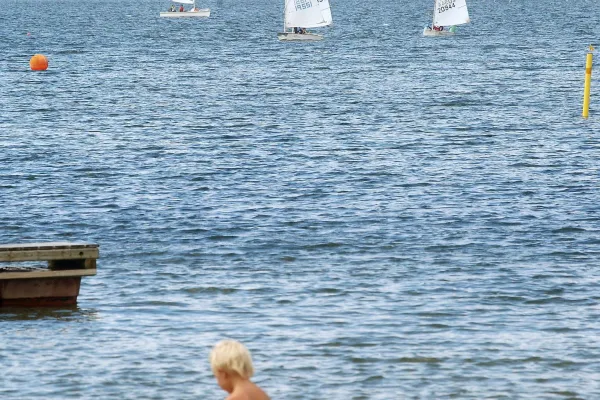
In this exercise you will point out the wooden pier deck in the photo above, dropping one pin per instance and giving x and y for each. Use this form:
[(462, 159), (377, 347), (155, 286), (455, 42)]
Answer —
[(57, 283)]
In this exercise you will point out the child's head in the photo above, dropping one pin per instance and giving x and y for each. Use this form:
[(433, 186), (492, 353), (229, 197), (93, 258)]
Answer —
[(231, 357)]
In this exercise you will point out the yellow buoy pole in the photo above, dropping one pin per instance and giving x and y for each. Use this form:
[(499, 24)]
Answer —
[(588, 83)]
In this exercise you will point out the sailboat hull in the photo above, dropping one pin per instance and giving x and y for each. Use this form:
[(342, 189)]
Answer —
[(431, 33), (203, 12), (298, 37)]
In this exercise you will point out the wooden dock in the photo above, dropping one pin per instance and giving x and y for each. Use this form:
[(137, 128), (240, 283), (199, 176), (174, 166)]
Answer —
[(55, 284)]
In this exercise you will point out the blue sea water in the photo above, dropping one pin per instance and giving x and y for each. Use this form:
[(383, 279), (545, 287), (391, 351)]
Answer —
[(376, 216)]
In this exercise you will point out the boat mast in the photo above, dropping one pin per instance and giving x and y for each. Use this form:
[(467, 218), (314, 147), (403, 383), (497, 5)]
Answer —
[(433, 21), (284, 12)]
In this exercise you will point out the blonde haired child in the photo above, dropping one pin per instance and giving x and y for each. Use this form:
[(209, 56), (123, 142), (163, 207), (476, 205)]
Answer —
[(232, 365)]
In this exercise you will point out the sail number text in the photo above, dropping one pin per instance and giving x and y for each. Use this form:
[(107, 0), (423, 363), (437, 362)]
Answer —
[(445, 5), (303, 4)]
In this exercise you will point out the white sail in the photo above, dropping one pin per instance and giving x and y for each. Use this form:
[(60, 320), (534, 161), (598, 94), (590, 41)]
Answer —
[(183, 1), (307, 13), (450, 12)]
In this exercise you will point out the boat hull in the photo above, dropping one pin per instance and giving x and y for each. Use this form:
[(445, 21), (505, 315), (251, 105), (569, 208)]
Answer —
[(203, 12), (431, 33), (298, 37)]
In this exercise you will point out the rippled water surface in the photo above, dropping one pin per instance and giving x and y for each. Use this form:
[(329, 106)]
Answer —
[(377, 216)]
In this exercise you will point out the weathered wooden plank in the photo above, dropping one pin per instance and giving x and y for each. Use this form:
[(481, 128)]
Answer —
[(46, 246), (49, 254), (41, 273)]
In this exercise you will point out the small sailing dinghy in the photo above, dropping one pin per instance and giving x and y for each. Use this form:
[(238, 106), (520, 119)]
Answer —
[(301, 14), (447, 13), (175, 12)]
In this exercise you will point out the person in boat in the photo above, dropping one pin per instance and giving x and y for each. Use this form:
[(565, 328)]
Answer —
[(181, 8), (172, 9), (438, 28)]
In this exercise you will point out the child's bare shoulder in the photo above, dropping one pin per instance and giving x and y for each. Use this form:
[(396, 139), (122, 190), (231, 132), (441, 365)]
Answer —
[(238, 396), (246, 396), (251, 393)]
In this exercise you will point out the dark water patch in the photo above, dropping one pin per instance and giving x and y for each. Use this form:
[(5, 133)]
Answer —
[(437, 326), (567, 394), (561, 330), (373, 378), (329, 291), (431, 314), (458, 103), (210, 290), (554, 291), (418, 360), (220, 238), (510, 361), (542, 276), (568, 229), (329, 245), (360, 360), (567, 364), (71, 51), (65, 314), (557, 300), (149, 306)]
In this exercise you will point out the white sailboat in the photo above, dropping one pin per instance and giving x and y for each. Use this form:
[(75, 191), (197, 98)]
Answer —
[(175, 12), (301, 14), (447, 13)]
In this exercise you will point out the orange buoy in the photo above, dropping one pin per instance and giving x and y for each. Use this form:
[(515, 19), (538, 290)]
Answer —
[(38, 63)]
